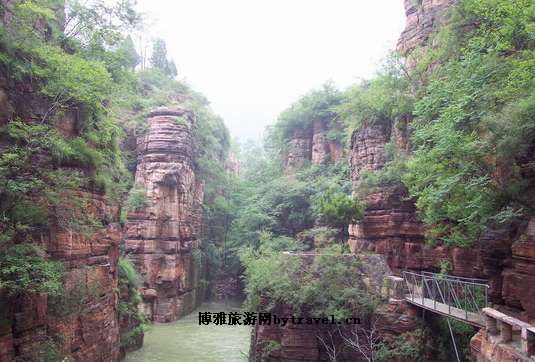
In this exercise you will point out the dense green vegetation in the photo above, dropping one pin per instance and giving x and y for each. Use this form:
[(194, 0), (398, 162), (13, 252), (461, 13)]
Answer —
[(325, 287), (71, 72), (385, 99), (317, 105), (314, 204), (474, 128), (24, 268), (467, 103)]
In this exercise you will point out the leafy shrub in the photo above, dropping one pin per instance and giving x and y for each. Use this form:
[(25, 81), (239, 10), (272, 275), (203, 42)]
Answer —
[(130, 280), (337, 208), (317, 105), (24, 268), (382, 99), (136, 198), (129, 339), (326, 287), (408, 345)]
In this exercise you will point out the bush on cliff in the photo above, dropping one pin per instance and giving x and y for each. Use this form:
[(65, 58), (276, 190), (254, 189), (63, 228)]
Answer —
[(317, 105), (475, 123), (132, 321), (76, 70), (129, 295), (337, 208), (382, 99), (329, 285), (24, 268)]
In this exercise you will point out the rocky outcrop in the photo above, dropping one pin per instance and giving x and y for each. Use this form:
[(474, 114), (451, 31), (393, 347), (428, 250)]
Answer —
[(423, 17), (312, 144), (324, 150), (90, 332), (299, 150), (295, 342), (83, 323), (162, 237), (485, 348), (519, 278), (390, 225), (367, 152), (504, 339)]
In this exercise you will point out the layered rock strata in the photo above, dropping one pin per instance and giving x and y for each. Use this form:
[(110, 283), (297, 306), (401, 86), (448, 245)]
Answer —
[(83, 322), (504, 339), (162, 237), (422, 18), (312, 144), (390, 226)]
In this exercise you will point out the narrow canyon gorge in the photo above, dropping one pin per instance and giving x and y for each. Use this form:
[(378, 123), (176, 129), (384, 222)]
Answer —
[(131, 206)]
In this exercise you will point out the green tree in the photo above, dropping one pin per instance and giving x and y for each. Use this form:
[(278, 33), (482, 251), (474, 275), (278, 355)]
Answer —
[(129, 53), (159, 59)]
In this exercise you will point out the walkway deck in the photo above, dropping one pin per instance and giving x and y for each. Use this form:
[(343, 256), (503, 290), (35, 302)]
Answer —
[(460, 298), (475, 319)]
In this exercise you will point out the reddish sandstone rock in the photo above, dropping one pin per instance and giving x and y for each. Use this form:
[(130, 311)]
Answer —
[(312, 144), (88, 331), (163, 236), (423, 16), (390, 225), (486, 348), (299, 150), (367, 149)]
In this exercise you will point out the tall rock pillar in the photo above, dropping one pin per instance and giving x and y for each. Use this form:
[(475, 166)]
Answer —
[(163, 235)]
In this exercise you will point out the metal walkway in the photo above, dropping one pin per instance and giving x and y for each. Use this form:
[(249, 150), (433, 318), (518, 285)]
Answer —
[(456, 297)]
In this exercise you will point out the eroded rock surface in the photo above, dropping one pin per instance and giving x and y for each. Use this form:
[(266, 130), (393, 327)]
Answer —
[(87, 331), (391, 228), (423, 16), (163, 236), (312, 145)]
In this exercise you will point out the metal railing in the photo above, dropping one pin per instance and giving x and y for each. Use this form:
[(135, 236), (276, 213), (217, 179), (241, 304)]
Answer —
[(447, 294)]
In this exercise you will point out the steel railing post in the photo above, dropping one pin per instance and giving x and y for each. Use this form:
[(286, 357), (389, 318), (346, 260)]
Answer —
[(423, 292), (448, 296)]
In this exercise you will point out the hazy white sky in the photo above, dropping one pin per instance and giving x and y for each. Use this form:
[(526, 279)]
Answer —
[(253, 58)]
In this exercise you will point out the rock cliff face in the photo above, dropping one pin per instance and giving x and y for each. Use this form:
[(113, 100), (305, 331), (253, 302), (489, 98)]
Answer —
[(423, 16), (313, 145), (390, 225), (84, 323), (299, 150), (163, 236)]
